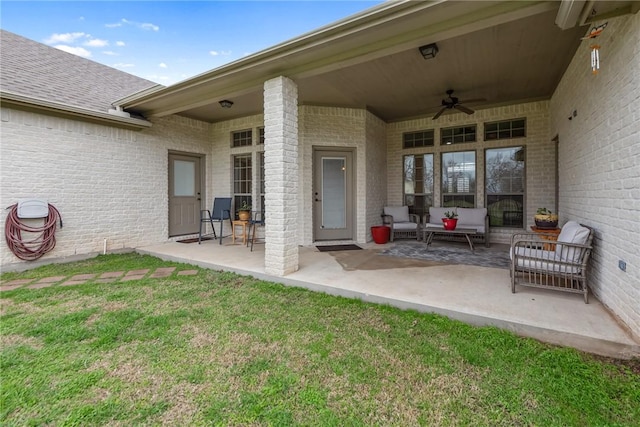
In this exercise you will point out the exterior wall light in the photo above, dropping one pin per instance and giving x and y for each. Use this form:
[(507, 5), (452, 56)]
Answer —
[(429, 51), (225, 103)]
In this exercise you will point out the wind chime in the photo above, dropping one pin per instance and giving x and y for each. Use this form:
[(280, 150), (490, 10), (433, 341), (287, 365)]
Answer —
[(595, 48)]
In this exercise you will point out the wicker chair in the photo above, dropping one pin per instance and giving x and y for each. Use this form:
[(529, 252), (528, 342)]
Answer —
[(401, 222), (561, 265)]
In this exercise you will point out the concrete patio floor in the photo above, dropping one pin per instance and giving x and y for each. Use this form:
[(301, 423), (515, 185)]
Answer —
[(475, 295)]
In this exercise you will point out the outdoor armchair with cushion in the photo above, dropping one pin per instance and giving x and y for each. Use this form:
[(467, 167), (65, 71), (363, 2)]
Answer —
[(534, 262), (402, 223)]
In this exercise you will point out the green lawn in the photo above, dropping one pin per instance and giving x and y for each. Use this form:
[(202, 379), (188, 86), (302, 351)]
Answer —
[(221, 349)]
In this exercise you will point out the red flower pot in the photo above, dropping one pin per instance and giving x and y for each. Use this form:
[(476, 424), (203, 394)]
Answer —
[(380, 234), (450, 223)]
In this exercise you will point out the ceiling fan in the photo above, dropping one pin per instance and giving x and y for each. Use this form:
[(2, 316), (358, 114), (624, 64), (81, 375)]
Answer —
[(451, 103)]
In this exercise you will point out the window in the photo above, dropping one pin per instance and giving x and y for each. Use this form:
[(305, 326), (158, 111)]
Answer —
[(242, 179), (505, 186), (459, 179), (418, 139), (505, 130), (261, 136), (418, 183), (241, 138), (457, 135)]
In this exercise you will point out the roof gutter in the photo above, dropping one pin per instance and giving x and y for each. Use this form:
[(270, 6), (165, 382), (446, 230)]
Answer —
[(36, 104)]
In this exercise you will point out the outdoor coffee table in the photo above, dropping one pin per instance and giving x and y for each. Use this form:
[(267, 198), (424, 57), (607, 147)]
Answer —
[(429, 231)]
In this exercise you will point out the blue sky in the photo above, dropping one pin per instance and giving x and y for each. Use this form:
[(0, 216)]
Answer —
[(169, 41)]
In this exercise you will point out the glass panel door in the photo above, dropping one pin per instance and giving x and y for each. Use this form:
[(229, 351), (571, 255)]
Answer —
[(333, 193)]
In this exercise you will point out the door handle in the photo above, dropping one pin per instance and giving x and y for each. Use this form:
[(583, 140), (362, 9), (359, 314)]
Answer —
[(318, 200)]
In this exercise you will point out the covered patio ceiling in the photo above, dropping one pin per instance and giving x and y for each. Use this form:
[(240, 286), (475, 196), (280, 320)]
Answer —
[(491, 53)]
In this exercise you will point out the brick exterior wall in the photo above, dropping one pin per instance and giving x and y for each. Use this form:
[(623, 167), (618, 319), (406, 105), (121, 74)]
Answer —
[(107, 183), (599, 154), (281, 176), (331, 127), (376, 174), (540, 166)]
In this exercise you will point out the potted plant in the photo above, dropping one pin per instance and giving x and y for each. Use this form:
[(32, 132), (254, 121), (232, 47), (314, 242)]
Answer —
[(545, 219), (450, 220), (244, 211)]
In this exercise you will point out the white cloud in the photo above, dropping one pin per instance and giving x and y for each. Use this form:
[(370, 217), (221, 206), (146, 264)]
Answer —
[(120, 43), (110, 53), (123, 65), (80, 51), (116, 25), (142, 25), (64, 38), (220, 52), (96, 43), (162, 65), (151, 27)]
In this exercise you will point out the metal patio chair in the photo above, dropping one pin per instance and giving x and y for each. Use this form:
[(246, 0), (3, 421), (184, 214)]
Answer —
[(256, 221), (220, 212)]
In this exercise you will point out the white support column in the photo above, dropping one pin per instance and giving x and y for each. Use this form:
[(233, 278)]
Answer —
[(281, 176)]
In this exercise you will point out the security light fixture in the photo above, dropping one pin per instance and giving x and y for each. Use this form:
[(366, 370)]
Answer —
[(225, 103), (429, 51)]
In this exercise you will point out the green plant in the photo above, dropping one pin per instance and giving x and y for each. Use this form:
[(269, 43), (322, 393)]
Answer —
[(543, 211), (244, 206), (451, 214)]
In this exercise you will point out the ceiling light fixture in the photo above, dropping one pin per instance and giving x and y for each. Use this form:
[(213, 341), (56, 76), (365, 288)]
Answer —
[(225, 103), (429, 51)]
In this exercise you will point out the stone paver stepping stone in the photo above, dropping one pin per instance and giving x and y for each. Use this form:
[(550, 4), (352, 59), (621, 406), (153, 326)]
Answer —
[(162, 272), (111, 274), (137, 272), (9, 287), (17, 282), (106, 280), (40, 285), (73, 282), (83, 277), (187, 272), (52, 279)]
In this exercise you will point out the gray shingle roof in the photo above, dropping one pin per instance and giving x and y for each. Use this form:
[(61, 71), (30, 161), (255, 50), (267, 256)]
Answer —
[(36, 70)]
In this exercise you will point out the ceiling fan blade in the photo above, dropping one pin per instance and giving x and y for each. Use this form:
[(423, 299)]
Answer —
[(438, 113), (464, 109)]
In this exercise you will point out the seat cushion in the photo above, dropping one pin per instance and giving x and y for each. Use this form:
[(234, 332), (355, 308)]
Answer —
[(399, 213), (572, 232), (404, 226), (473, 216), (436, 214), (529, 259)]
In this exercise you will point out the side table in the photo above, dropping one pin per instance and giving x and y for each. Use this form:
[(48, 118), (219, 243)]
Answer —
[(550, 234), (236, 224)]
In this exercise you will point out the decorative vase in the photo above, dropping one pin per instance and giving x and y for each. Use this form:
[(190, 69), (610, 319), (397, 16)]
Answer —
[(450, 223), (546, 222), (244, 215)]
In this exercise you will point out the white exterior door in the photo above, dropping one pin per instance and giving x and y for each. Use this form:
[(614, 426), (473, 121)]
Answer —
[(333, 195)]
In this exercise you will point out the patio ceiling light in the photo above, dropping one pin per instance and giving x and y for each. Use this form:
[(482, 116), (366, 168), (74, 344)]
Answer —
[(429, 51), (225, 103)]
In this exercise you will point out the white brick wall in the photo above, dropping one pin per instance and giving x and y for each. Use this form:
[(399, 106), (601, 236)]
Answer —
[(540, 155), (376, 174), (281, 176), (599, 156), (331, 127), (107, 183)]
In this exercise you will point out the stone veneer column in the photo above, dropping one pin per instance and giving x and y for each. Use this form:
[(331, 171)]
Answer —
[(281, 176)]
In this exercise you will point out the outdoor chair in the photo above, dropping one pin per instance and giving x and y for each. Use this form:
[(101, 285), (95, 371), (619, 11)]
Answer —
[(401, 222), (220, 212), (256, 221), (561, 265)]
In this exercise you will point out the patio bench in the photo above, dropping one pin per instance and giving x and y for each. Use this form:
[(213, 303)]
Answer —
[(474, 218)]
